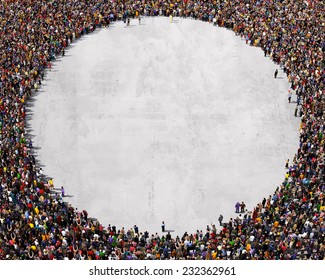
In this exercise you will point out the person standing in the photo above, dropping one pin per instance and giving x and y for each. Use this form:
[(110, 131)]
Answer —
[(242, 207), (263, 202), (301, 112), (136, 229), (296, 111), (276, 73), (237, 207), (220, 219), (163, 226), (289, 95), (62, 191)]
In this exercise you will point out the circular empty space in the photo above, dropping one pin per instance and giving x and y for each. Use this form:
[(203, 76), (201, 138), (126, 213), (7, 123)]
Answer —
[(163, 121)]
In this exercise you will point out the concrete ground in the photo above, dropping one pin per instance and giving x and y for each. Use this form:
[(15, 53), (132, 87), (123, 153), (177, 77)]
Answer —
[(163, 121)]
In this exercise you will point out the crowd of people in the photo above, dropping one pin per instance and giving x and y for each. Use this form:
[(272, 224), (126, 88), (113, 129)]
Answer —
[(35, 223)]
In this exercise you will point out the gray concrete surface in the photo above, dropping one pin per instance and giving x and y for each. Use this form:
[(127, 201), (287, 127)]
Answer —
[(164, 121)]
